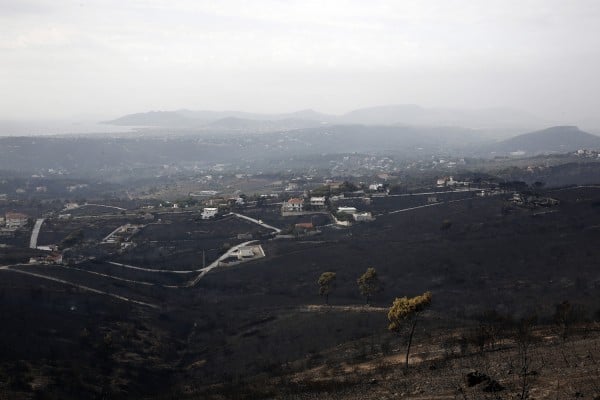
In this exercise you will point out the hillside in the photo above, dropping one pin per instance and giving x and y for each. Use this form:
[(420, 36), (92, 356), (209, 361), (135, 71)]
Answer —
[(411, 114), (557, 139), (94, 154), (407, 114), (223, 120), (152, 118)]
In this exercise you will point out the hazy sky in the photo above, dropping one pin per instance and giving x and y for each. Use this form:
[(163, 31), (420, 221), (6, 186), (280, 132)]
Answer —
[(62, 58)]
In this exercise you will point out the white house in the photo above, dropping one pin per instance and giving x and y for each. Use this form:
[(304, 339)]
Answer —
[(347, 210), (317, 201), (15, 220), (446, 181), (363, 217), (209, 212), (291, 187), (293, 205), (245, 252), (71, 206)]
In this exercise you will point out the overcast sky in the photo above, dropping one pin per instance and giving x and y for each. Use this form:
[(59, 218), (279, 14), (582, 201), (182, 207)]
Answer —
[(62, 58)]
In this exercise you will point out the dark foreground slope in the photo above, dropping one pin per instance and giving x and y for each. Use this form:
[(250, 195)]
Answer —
[(257, 330)]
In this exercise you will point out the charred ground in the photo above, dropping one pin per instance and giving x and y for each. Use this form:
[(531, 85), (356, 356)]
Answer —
[(254, 330)]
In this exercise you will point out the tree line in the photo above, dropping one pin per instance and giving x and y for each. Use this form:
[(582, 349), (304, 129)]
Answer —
[(404, 310)]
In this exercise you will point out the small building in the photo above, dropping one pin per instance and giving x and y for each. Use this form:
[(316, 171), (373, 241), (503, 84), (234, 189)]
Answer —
[(363, 217), (293, 205), (337, 197), (15, 220), (446, 181), (517, 198), (209, 212), (347, 210), (245, 252), (318, 201), (375, 187), (308, 226), (291, 187)]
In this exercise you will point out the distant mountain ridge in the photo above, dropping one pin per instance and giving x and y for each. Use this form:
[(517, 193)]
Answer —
[(408, 114), (194, 119), (557, 139)]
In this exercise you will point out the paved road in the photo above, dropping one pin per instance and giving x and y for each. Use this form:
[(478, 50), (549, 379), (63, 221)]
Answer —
[(107, 275), (429, 193), (256, 221), (155, 270), (35, 233), (82, 287), (215, 263), (575, 187), (426, 205), (112, 233), (97, 205)]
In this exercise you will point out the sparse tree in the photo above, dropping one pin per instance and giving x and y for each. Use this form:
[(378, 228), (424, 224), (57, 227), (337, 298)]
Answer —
[(524, 339), (369, 284), (326, 284), (446, 224), (564, 318), (404, 309)]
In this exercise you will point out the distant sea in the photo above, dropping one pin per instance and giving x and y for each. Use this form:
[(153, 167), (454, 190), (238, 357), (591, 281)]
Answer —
[(38, 128)]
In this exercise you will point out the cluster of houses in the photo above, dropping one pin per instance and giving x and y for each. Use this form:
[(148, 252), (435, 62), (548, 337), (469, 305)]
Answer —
[(357, 216), (52, 258), (587, 153), (14, 220), (448, 181), (296, 206), (533, 201)]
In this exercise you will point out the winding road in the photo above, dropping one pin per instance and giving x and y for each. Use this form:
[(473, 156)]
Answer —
[(166, 271), (82, 287), (256, 221), (215, 263), (35, 233)]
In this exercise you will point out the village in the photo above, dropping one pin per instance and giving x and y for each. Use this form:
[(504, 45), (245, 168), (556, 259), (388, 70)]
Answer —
[(301, 208)]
